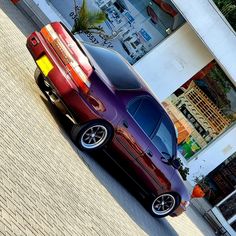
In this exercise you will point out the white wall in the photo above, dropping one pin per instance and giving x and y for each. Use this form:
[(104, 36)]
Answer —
[(213, 30), (213, 155), (219, 37), (173, 62)]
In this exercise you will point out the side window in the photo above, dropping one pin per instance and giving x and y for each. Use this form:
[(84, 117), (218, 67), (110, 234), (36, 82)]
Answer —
[(164, 139), (146, 112), (133, 106)]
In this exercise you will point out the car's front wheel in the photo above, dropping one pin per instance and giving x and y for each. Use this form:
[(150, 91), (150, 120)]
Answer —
[(93, 135), (164, 204)]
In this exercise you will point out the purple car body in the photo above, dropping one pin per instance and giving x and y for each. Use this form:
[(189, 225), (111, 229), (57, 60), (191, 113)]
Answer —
[(114, 110)]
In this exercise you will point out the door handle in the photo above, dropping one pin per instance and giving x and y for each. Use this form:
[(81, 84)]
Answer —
[(125, 124), (149, 153)]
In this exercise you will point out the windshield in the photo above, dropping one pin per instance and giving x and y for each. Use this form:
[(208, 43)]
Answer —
[(165, 138)]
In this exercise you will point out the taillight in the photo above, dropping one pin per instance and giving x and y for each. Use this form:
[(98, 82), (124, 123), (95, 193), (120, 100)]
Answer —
[(81, 80), (49, 33), (76, 73), (52, 37), (62, 51)]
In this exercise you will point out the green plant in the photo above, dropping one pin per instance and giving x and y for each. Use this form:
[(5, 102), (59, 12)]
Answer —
[(86, 20), (228, 9), (218, 75), (222, 89), (184, 171)]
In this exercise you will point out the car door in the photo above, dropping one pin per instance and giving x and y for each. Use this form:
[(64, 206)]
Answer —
[(133, 140), (162, 148)]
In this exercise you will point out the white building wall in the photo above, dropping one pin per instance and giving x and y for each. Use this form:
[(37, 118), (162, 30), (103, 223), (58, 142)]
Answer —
[(219, 37), (213, 155), (214, 31), (173, 62)]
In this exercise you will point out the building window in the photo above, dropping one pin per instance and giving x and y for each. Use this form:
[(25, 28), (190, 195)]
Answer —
[(222, 182), (136, 26), (202, 109), (140, 25), (228, 9)]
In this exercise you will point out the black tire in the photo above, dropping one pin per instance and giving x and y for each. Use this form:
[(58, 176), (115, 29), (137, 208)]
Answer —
[(40, 81), (164, 204), (92, 136)]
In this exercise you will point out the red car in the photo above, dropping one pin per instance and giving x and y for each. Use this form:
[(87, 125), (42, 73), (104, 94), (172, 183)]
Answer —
[(112, 109)]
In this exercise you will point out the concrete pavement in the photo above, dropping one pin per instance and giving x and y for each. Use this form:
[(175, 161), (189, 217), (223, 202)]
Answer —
[(47, 187)]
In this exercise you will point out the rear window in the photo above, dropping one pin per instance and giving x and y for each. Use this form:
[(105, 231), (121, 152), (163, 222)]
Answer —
[(116, 69)]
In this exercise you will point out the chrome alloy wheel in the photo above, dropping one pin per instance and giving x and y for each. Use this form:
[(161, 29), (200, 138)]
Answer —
[(163, 204), (94, 136)]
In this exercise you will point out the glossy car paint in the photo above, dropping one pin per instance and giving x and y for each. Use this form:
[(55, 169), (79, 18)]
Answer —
[(130, 146)]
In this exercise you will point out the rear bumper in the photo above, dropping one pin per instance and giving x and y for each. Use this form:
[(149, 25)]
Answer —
[(60, 80)]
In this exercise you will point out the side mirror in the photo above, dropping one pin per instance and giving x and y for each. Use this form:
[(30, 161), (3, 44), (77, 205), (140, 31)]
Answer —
[(165, 158), (175, 163)]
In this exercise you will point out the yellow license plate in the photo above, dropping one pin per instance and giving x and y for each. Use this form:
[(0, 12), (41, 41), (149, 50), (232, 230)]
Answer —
[(45, 65)]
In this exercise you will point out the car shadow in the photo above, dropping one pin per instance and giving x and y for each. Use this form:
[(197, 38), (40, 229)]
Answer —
[(115, 181), (126, 194)]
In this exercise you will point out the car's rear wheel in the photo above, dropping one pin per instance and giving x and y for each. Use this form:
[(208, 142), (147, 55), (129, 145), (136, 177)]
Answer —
[(48, 91), (164, 204), (40, 81), (93, 135)]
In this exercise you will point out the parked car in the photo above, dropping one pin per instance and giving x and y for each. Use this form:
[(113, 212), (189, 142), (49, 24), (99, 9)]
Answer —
[(112, 109)]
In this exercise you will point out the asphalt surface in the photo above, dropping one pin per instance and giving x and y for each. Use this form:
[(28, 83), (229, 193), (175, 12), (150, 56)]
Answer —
[(47, 186)]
